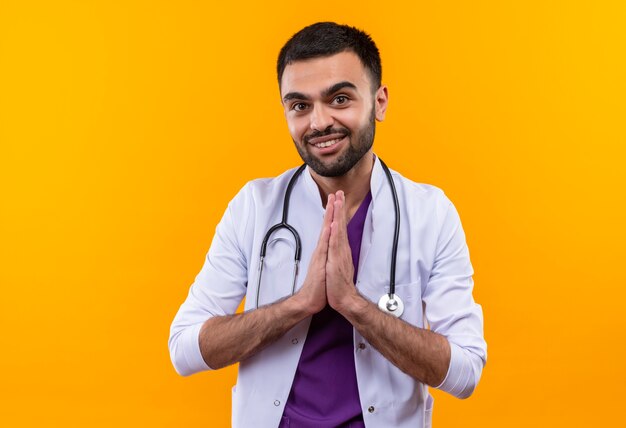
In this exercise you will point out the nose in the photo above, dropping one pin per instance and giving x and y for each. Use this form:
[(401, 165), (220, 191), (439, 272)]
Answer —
[(321, 118)]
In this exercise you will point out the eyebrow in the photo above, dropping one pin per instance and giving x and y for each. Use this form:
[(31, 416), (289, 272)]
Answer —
[(338, 86), (325, 93)]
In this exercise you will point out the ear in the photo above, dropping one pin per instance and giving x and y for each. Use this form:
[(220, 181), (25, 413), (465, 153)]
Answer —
[(380, 102)]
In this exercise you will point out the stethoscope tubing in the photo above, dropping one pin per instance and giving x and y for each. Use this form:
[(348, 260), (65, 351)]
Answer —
[(391, 303), (396, 232), (283, 225)]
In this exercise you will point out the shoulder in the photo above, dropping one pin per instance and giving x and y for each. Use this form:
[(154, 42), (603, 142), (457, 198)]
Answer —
[(260, 186), (420, 193), (426, 202), (428, 209), (270, 183), (253, 204), (261, 190)]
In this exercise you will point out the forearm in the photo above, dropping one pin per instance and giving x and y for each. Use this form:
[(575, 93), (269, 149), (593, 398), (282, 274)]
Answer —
[(225, 340), (420, 353)]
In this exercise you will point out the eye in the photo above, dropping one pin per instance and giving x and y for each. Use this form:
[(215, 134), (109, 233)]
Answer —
[(340, 100), (298, 106)]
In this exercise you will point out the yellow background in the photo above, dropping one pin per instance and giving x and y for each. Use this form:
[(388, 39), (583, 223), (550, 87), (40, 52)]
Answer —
[(126, 127)]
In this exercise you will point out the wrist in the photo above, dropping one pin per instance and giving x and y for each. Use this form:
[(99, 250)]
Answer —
[(352, 305), (302, 304)]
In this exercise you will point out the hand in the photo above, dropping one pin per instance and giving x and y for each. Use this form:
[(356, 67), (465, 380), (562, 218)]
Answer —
[(340, 287), (313, 291)]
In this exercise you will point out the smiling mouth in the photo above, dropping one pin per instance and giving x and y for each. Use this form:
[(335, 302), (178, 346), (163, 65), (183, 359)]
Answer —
[(328, 143)]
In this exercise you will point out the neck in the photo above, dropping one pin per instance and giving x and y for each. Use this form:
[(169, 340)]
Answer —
[(355, 183)]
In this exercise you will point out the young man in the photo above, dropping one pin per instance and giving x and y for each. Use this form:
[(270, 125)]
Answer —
[(325, 354)]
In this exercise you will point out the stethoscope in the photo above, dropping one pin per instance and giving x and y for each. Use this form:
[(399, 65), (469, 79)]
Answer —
[(388, 302)]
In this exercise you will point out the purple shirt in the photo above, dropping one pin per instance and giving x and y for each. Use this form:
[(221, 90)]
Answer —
[(324, 392)]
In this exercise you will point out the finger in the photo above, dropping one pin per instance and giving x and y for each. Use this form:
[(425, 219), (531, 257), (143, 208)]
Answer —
[(330, 208), (337, 207), (338, 234), (334, 240), (322, 244), (340, 215), (344, 212), (328, 215), (339, 252)]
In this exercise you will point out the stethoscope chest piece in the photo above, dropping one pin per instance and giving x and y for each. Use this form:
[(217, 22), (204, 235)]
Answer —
[(391, 304)]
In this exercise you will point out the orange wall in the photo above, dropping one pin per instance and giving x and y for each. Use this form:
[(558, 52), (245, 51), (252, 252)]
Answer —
[(125, 128)]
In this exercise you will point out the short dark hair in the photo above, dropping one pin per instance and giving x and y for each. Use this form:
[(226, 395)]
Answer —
[(326, 39)]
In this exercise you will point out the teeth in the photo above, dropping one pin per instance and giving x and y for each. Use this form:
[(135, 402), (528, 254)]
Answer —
[(327, 143)]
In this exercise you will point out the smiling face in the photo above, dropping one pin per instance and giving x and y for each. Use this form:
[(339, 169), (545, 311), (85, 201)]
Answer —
[(331, 110)]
